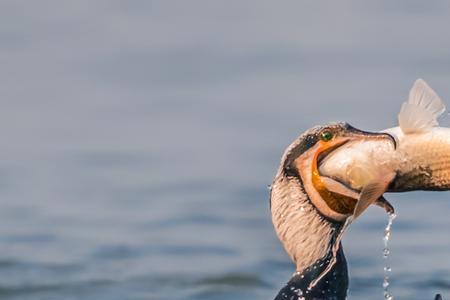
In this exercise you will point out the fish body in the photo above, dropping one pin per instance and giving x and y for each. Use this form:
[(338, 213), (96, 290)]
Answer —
[(422, 158), (419, 159)]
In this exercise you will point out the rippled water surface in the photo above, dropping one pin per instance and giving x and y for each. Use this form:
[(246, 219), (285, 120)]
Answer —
[(138, 139)]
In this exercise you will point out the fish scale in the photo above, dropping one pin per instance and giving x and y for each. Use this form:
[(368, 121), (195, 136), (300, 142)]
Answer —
[(425, 159)]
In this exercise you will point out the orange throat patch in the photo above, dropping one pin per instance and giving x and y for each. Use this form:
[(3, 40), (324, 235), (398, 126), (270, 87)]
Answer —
[(339, 203)]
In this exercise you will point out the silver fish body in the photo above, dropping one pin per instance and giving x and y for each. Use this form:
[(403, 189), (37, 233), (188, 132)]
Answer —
[(420, 161), (423, 160)]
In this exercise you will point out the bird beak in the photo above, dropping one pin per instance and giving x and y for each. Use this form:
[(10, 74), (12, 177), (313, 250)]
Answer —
[(350, 135), (355, 134)]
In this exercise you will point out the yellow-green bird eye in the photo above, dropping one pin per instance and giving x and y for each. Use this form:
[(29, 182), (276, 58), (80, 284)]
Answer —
[(326, 136)]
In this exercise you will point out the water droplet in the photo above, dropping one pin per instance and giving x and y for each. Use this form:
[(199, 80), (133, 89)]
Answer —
[(387, 269), (388, 296), (299, 292)]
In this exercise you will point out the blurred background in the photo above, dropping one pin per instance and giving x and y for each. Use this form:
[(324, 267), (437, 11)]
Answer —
[(138, 139)]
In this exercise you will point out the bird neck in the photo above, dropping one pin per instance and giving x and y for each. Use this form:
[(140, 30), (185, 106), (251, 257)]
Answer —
[(311, 240), (332, 286)]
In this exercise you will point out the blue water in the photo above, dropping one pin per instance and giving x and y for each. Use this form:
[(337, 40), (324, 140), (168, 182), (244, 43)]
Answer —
[(138, 139)]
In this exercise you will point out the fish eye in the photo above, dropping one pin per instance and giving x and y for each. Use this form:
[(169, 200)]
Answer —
[(326, 135)]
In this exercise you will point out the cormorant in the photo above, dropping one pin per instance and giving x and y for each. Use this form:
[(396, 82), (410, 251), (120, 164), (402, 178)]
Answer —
[(332, 173)]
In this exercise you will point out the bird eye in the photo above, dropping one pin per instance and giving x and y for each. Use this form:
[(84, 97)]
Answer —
[(326, 136)]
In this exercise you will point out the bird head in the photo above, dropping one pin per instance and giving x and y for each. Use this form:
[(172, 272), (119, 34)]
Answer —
[(303, 157)]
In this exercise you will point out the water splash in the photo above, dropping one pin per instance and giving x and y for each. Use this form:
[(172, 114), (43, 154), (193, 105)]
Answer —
[(386, 251)]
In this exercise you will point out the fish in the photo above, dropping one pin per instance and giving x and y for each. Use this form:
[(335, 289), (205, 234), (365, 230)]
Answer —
[(416, 158)]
